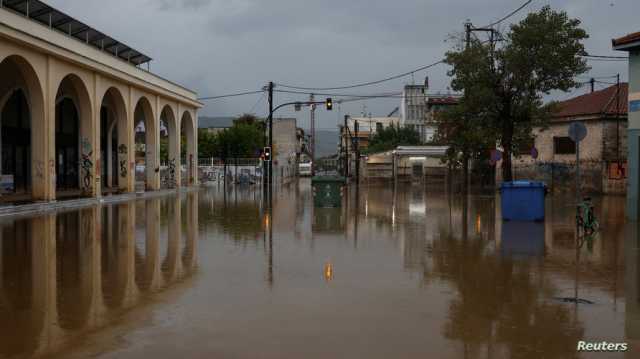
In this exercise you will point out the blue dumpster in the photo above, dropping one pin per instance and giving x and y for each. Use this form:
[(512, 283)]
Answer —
[(523, 200)]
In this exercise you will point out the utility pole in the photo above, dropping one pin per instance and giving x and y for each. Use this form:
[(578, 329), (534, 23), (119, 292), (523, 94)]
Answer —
[(593, 84), (618, 122), (313, 133), (270, 164), (346, 145), (356, 128), (467, 30)]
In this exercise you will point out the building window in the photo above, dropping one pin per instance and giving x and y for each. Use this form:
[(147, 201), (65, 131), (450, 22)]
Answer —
[(563, 146)]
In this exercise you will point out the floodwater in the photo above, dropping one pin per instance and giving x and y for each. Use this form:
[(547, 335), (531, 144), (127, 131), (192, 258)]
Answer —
[(413, 273)]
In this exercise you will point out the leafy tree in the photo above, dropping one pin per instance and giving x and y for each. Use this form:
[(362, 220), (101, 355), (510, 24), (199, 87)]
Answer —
[(504, 86), (207, 143), (392, 137)]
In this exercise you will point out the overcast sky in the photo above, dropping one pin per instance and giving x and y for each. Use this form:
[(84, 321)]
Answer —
[(217, 47)]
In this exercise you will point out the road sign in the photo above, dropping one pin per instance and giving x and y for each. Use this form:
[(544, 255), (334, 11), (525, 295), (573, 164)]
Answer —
[(577, 131)]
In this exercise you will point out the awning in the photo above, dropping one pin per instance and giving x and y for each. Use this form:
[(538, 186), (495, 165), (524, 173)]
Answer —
[(55, 19)]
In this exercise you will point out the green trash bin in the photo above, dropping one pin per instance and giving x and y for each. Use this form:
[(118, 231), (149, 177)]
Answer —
[(327, 191)]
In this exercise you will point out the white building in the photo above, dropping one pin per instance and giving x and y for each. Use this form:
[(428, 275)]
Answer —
[(285, 148), (413, 108), (372, 124)]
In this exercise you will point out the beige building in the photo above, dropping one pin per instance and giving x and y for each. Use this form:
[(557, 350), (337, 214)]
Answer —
[(603, 153), (285, 148), (70, 100)]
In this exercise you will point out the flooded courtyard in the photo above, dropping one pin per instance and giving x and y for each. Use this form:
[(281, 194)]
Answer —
[(410, 273)]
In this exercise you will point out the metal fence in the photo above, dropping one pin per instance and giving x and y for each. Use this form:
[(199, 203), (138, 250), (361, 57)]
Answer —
[(237, 170)]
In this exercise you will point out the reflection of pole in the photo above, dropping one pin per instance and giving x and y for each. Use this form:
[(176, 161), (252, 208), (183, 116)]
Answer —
[(357, 208), (270, 134), (356, 129), (346, 146), (313, 133), (578, 171), (270, 275), (465, 211)]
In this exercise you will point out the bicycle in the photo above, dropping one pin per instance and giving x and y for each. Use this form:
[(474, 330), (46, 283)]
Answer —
[(586, 219)]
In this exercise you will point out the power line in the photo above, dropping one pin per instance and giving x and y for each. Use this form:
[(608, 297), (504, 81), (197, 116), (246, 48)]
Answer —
[(257, 102), (361, 84), (606, 57), (230, 95), (340, 94), (510, 14)]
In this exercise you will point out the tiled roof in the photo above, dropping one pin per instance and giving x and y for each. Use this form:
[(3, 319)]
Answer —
[(602, 102), (443, 100), (635, 37)]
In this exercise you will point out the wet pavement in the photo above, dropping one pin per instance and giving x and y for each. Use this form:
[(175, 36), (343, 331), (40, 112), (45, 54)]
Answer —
[(413, 273)]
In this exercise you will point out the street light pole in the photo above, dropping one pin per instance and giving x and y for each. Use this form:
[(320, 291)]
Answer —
[(270, 133)]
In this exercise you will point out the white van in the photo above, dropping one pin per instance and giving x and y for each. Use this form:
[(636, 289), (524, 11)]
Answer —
[(304, 169)]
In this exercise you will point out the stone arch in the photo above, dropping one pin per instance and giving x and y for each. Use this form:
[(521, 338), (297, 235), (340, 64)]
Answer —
[(18, 74), (188, 134), (143, 113), (170, 147), (75, 150), (113, 139)]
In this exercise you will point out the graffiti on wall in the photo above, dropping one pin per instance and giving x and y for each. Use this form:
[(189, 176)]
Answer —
[(87, 170), (172, 173), (122, 160), (86, 164)]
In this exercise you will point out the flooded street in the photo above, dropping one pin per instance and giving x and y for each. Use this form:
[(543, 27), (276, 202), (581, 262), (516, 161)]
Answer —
[(413, 273)]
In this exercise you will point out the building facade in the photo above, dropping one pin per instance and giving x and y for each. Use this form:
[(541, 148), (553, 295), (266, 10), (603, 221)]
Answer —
[(70, 100), (551, 157), (631, 44), (435, 105), (285, 149), (215, 124), (413, 109)]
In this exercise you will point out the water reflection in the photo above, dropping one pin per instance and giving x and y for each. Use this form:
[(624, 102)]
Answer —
[(63, 275)]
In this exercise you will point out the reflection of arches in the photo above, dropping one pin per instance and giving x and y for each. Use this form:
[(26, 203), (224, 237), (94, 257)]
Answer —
[(19, 312), (74, 261), (189, 157), (147, 266), (169, 143), (113, 140), (114, 257), (17, 73), (145, 144), (171, 263), (74, 146), (191, 240)]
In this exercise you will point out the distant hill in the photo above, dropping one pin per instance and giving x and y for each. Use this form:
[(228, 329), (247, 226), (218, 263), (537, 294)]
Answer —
[(327, 142)]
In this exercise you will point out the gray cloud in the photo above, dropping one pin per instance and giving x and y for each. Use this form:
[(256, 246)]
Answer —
[(224, 46)]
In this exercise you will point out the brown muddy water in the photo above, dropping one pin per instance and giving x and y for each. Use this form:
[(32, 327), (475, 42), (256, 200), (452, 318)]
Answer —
[(413, 273)]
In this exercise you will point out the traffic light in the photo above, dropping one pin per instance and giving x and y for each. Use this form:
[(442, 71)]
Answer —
[(267, 153), (329, 104)]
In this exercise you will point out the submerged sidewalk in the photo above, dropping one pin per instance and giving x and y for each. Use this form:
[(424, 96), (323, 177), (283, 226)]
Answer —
[(62, 205)]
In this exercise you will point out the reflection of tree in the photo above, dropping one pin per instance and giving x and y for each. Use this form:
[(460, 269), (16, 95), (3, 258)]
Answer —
[(241, 221), (497, 308)]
